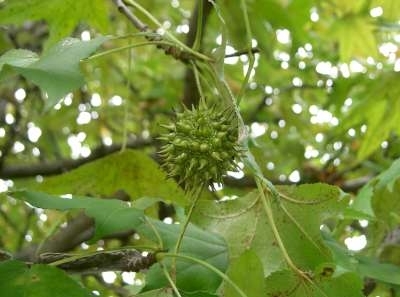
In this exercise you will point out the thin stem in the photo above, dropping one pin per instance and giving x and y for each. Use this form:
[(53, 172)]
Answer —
[(275, 231), (171, 282), (196, 197), (197, 79), (208, 266), (122, 48), (167, 33), (126, 105), (157, 234), (199, 27), (250, 53)]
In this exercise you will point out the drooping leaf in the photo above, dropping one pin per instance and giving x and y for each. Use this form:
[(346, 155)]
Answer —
[(110, 215), (131, 171), (57, 71), (285, 283), (243, 223), (62, 16), (18, 279), (250, 283), (200, 244)]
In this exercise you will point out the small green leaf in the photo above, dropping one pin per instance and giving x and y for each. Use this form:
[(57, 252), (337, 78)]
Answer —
[(17, 279), (250, 266), (57, 71)]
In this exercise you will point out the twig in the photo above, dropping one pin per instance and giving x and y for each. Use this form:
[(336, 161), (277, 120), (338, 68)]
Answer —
[(253, 50), (120, 260), (134, 20)]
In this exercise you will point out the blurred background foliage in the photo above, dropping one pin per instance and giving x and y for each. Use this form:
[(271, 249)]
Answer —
[(322, 102)]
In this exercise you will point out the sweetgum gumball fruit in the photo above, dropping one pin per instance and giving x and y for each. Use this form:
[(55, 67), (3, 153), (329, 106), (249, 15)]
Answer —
[(201, 146)]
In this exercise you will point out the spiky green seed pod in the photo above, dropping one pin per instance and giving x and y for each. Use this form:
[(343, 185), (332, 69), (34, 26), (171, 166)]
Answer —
[(200, 147)]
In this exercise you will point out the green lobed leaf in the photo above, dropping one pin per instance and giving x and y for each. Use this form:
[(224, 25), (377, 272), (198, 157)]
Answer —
[(18, 279), (250, 283), (356, 38), (286, 283), (132, 171), (375, 190), (391, 8), (57, 71), (243, 223), (62, 16)]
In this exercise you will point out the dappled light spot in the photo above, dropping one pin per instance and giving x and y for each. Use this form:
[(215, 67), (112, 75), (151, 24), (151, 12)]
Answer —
[(356, 243), (376, 12), (34, 132), (84, 246), (319, 137), (85, 35), (128, 277), (168, 220), (294, 176), (95, 100), (283, 36), (351, 132), (236, 174), (83, 118), (66, 196), (270, 166), (109, 276), (310, 152), (228, 198), (296, 108), (115, 100), (18, 147), (9, 119), (274, 134), (20, 95), (337, 145), (258, 129), (314, 16)]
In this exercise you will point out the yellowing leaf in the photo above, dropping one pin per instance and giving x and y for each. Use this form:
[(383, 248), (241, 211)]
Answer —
[(130, 171), (391, 8), (356, 38)]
